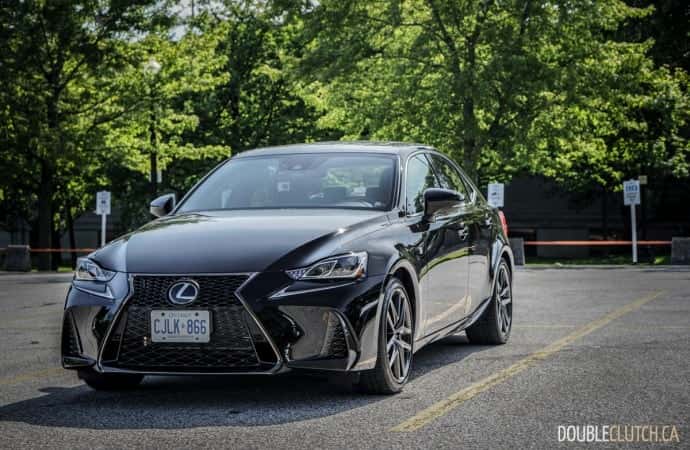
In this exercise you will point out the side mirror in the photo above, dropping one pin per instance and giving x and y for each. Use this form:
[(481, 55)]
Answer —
[(163, 205), (440, 200)]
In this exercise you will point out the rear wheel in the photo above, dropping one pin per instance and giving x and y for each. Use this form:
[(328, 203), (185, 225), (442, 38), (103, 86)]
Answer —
[(394, 358), (495, 324), (110, 381)]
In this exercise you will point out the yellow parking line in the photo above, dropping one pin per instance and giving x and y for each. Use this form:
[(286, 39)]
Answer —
[(31, 375), (437, 410)]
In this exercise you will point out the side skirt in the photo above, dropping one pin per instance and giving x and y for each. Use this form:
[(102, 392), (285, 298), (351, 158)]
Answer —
[(454, 327)]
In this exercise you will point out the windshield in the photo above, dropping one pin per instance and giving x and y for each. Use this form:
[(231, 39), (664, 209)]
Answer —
[(324, 180)]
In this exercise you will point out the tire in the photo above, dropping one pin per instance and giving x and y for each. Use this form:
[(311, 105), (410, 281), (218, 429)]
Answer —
[(493, 327), (109, 381), (396, 332)]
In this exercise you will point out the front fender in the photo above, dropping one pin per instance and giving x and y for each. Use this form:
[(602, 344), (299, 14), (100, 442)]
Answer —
[(370, 335), (412, 281)]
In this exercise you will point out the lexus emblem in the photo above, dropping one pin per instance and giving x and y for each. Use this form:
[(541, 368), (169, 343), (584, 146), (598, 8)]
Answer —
[(183, 292)]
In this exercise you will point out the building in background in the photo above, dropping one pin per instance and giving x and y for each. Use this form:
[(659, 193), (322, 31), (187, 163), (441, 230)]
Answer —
[(537, 210)]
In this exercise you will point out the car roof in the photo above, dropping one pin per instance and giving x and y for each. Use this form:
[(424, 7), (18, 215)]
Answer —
[(392, 148)]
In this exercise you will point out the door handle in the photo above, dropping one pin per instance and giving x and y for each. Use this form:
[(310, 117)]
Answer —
[(463, 233)]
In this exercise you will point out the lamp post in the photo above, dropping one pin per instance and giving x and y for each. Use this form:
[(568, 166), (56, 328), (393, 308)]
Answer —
[(151, 68)]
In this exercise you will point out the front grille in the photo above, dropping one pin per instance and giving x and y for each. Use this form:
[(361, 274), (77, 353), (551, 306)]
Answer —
[(231, 347), (70, 340)]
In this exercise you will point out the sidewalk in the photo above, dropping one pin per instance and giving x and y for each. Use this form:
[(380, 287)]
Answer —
[(639, 267)]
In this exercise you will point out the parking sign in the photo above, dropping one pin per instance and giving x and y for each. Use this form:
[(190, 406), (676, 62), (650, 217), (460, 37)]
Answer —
[(495, 195), (631, 192), (631, 197), (103, 203)]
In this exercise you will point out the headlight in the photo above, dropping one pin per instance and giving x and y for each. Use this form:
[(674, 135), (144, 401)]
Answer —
[(352, 265), (88, 270)]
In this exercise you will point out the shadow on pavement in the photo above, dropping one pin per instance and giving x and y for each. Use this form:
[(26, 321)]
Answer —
[(189, 402)]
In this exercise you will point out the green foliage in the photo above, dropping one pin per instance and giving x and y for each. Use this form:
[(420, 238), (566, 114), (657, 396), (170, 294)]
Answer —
[(157, 112), (261, 100), (586, 93), (502, 87), (52, 53)]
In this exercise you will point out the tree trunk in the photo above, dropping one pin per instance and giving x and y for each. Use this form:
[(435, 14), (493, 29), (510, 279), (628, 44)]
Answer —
[(57, 258), (605, 218), (604, 214), (72, 240), (469, 116), (154, 175), (469, 138), (469, 120), (45, 214), (47, 187)]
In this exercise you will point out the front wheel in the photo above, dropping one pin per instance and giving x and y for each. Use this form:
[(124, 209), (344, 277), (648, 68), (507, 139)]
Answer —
[(396, 337), (494, 326), (110, 381)]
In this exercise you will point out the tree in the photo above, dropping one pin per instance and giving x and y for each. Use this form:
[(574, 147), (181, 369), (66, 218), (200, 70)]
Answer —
[(80, 113), (161, 116), (262, 99), (48, 49), (586, 93), (669, 27), (500, 86), (226, 82)]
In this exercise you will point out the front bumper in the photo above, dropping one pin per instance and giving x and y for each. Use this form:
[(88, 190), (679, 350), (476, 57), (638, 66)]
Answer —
[(264, 323)]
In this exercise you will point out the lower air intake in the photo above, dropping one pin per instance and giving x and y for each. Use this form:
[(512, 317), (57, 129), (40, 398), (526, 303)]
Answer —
[(70, 340)]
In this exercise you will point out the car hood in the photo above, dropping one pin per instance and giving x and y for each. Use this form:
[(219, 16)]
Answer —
[(236, 241)]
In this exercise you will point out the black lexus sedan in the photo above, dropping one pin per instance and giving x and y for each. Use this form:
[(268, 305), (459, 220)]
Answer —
[(339, 256)]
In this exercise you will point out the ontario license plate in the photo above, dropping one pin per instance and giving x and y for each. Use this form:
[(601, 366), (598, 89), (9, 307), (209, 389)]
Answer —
[(180, 326)]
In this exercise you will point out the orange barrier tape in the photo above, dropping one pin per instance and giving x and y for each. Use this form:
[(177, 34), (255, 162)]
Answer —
[(57, 250), (594, 243), (62, 250)]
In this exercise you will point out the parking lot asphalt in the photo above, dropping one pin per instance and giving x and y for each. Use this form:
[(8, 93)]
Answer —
[(601, 347)]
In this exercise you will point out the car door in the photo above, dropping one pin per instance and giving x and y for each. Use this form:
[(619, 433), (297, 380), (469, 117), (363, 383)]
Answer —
[(479, 220), (432, 242), (449, 284)]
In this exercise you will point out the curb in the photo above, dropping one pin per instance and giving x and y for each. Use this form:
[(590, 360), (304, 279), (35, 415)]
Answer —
[(638, 267)]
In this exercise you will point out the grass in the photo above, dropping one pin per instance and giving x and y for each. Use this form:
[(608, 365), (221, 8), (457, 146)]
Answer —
[(598, 260)]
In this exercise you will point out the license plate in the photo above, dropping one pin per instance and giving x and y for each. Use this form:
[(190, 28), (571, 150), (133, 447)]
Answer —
[(180, 326)]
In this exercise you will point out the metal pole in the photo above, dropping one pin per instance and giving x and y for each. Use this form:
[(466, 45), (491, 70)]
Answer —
[(153, 157), (102, 230), (633, 227)]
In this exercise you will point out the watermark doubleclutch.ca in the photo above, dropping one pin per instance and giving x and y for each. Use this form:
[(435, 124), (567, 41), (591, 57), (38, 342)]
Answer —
[(651, 433)]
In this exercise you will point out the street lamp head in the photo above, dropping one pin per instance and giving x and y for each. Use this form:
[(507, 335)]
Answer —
[(152, 66)]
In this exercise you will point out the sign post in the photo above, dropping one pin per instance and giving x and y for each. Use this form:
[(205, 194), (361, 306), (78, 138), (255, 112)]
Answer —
[(495, 195), (631, 196), (103, 209)]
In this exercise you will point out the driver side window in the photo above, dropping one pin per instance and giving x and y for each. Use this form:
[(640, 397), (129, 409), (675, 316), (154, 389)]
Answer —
[(449, 177), (419, 178)]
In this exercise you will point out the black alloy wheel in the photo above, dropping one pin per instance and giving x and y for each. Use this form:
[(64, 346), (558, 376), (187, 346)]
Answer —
[(396, 337), (495, 324)]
